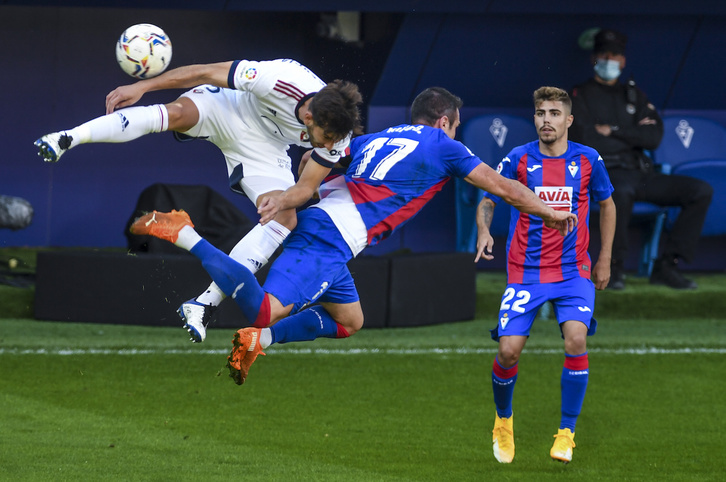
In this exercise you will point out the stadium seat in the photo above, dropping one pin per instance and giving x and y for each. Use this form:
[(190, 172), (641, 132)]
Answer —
[(712, 171), (490, 137), (690, 138)]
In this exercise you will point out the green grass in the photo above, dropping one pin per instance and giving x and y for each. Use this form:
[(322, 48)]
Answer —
[(94, 402)]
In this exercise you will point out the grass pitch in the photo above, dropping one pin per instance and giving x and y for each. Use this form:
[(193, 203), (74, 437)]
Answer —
[(107, 402)]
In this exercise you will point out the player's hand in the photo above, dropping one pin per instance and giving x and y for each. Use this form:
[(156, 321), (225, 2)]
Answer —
[(123, 96), (562, 221), (484, 245), (601, 275), (604, 129), (268, 207)]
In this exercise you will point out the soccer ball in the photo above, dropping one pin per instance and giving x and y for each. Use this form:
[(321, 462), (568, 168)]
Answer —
[(143, 51)]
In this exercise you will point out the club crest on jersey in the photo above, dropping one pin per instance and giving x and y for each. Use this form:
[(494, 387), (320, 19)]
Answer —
[(573, 169), (304, 137), (556, 197), (250, 73)]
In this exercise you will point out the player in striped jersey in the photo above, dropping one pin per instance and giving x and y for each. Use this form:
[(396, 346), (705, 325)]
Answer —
[(543, 266), (393, 174), (253, 111)]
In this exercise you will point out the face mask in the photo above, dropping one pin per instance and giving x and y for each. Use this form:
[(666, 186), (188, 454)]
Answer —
[(607, 70)]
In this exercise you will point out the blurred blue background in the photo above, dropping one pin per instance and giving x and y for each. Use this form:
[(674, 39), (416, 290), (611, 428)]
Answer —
[(58, 64)]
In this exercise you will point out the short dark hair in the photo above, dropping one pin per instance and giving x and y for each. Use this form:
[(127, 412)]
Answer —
[(335, 109), (554, 94), (434, 103)]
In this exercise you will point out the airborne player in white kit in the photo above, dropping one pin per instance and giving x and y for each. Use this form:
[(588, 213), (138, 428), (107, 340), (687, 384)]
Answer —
[(253, 111)]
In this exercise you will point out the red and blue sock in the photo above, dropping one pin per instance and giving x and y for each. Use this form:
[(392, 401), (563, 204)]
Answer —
[(573, 386), (503, 380), (314, 322)]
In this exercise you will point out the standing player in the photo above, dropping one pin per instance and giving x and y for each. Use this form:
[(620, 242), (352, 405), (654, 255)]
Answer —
[(543, 266), (393, 174), (253, 111)]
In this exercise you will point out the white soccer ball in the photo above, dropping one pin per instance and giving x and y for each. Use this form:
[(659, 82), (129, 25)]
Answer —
[(143, 51)]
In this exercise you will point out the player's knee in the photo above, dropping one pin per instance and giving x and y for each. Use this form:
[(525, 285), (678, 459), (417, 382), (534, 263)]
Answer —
[(352, 324), (183, 114), (507, 356), (576, 344)]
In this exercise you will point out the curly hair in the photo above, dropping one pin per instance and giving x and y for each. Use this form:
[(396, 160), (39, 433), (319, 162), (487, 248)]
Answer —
[(335, 109)]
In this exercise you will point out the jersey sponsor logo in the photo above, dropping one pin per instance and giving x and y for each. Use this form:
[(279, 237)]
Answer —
[(534, 168), (556, 197), (283, 163), (573, 169), (249, 74), (584, 308)]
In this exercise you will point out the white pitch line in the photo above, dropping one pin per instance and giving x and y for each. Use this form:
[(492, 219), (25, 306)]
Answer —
[(354, 351)]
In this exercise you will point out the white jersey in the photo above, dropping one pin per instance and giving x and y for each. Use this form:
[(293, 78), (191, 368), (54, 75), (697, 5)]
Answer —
[(255, 122), (278, 88)]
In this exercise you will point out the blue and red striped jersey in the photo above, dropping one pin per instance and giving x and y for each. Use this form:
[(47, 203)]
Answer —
[(395, 172), (536, 253)]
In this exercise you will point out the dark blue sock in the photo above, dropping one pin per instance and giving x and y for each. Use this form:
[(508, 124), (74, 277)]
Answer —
[(503, 380), (307, 325), (232, 278), (573, 386)]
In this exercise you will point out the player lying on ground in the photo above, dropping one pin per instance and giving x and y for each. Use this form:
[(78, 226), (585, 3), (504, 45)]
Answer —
[(393, 174), (542, 266), (253, 111)]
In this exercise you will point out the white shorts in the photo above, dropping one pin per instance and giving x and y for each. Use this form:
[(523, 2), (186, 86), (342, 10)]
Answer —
[(256, 163)]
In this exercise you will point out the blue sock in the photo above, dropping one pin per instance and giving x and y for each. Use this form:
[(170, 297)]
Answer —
[(573, 386), (503, 380), (307, 325), (232, 278)]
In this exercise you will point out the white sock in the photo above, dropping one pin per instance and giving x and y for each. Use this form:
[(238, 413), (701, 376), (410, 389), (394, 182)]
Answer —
[(253, 252), (122, 126), (265, 338), (187, 238), (213, 296)]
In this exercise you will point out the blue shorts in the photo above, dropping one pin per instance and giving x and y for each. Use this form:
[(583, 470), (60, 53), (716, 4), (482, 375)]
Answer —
[(572, 299), (313, 265)]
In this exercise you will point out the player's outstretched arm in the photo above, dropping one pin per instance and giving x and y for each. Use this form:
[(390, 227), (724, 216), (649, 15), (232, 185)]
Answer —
[(179, 78), (521, 197)]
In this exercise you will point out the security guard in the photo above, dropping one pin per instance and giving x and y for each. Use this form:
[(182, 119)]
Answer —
[(618, 120)]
